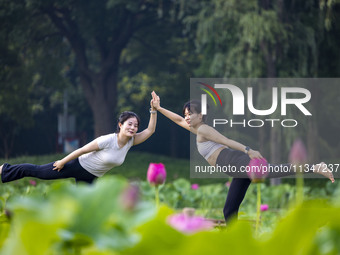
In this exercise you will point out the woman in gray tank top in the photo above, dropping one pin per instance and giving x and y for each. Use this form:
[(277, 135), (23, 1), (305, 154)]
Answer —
[(219, 150)]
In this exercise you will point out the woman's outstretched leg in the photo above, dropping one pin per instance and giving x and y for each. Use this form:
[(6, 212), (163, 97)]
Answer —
[(236, 193), (71, 169), (15, 172)]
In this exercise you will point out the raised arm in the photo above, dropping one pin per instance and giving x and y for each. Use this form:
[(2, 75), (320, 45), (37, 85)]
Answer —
[(146, 133), (179, 120), (92, 146), (208, 133)]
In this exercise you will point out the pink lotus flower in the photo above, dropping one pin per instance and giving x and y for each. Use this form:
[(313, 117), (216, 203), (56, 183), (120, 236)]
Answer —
[(298, 153), (227, 184), (264, 207), (188, 223), (257, 169), (195, 186), (129, 197), (33, 182), (156, 174)]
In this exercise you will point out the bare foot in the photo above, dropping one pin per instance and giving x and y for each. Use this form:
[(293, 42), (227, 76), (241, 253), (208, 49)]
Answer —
[(323, 170)]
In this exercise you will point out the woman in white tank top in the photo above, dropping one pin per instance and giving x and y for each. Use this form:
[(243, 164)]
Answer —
[(92, 160)]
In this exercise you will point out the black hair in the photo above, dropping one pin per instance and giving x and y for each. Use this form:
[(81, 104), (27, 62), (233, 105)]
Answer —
[(194, 106), (125, 116)]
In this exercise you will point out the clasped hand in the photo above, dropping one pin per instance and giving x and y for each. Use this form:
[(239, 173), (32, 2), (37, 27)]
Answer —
[(254, 154), (58, 165)]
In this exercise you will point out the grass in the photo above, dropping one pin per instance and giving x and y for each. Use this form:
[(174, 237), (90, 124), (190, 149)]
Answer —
[(136, 165)]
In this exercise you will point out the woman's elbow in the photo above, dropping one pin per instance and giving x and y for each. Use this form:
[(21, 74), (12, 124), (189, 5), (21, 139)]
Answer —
[(81, 151)]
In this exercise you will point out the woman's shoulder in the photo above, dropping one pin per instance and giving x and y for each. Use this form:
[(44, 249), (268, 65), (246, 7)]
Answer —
[(108, 136), (203, 128), (202, 132), (106, 141)]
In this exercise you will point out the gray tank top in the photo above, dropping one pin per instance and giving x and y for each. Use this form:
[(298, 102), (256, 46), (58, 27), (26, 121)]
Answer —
[(206, 149)]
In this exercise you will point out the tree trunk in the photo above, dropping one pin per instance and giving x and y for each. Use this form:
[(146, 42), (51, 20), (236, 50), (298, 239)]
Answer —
[(275, 133), (262, 140), (100, 87), (8, 143), (103, 101), (312, 132), (312, 141), (275, 141), (275, 151), (104, 119)]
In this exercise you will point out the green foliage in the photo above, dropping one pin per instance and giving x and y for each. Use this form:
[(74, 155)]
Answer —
[(46, 45), (31, 69), (179, 194), (92, 219), (260, 39), (311, 228), (72, 218), (272, 39)]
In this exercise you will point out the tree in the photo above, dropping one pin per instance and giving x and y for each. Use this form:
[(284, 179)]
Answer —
[(104, 46), (14, 111), (30, 68), (265, 39), (163, 62), (98, 32)]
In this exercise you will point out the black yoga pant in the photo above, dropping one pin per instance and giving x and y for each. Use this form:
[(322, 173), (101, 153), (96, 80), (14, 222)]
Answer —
[(236, 193), (241, 182), (71, 169)]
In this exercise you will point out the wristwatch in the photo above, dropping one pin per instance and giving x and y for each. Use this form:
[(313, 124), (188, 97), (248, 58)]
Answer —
[(151, 111), (246, 150)]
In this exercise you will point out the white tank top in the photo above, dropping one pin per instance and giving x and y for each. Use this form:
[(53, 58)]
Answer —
[(206, 149), (109, 155)]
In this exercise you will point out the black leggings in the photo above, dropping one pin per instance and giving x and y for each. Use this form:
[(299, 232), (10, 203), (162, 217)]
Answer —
[(71, 169), (241, 182)]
